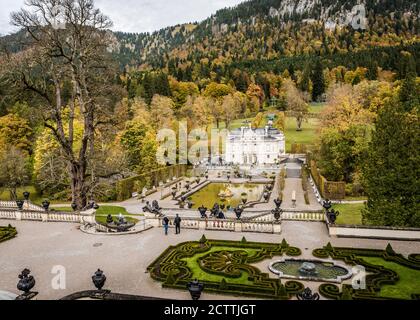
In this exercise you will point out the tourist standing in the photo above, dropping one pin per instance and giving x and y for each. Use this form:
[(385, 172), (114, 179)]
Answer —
[(166, 225), (177, 223)]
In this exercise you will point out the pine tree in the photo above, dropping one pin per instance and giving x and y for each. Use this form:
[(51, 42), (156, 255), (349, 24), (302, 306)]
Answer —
[(391, 172), (318, 81)]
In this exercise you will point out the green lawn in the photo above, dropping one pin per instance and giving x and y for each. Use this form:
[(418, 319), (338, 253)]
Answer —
[(317, 108), (35, 197), (198, 273), (349, 213), (307, 136), (104, 211), (408, 284)]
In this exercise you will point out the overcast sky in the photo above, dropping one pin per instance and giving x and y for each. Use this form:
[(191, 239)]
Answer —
[(137, 15)]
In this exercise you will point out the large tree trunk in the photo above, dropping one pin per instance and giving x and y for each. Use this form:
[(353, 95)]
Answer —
[(78, 188)]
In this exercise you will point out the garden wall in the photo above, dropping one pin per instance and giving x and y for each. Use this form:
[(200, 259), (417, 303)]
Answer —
[(125, 188), (407, 234), (328, 189)]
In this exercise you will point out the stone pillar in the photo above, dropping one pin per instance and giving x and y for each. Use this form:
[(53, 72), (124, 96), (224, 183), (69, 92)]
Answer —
[(277, 228), (18, 215), (154, 222), (88, 216), (202, 224), (238, 226), (44, 216)]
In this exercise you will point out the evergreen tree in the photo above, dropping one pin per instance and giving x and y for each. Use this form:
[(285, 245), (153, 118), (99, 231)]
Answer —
[(318, 81), (391, 172), (304, 84)]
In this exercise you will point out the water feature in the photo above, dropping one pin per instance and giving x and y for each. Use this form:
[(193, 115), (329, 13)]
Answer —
[(227, 193), (315, 270)]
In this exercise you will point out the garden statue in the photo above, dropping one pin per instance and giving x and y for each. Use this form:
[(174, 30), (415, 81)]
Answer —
[(190, 204), (173, 193), (154, 208), (109, 219), (203, 211), (266, 196), (121, 225), (215, 210)]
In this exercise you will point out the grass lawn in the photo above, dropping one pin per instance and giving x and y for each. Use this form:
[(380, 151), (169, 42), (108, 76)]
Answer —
[(317, 108), (104, 211), (349, 213), (198, 273), (35, 197), (408, 284), (307, 136)]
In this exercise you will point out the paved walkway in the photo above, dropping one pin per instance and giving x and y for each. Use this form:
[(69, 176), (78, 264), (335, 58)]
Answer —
[(41, 246)]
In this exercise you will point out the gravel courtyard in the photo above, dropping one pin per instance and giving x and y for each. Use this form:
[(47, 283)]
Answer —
[(124, 259)]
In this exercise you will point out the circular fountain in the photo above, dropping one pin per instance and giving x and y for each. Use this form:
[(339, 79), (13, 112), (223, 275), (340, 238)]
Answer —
[(311, 270), (308, 269)]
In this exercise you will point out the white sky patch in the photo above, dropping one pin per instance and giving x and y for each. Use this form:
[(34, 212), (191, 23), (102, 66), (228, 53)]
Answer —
[(137, 15)]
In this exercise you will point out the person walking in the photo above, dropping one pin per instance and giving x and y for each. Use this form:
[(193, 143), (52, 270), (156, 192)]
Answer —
[(177, 223), (166, 225)]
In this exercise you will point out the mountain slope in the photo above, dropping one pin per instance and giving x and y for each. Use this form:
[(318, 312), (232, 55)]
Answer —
[(271, 29)]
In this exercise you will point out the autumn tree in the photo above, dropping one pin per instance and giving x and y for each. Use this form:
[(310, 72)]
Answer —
[(391, 172), (17, 132), (296, 103), (14, 169), (65, 48)]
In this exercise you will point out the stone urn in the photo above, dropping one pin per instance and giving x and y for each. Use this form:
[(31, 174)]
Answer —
[(195, 288), (26, 282), (99, 279)]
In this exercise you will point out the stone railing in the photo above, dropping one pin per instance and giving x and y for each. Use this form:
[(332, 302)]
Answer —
[(286, 216), (222, 225), (48, 216), (304, 216), (370, 232), (26, 206)]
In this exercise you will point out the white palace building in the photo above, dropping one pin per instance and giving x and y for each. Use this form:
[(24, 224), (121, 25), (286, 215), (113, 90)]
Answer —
[(247, 146)]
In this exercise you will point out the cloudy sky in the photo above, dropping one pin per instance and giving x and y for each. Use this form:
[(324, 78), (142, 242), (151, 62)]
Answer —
[(137, 15)]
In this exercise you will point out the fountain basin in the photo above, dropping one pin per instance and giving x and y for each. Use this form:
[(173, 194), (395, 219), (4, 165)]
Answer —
[(311, 270)]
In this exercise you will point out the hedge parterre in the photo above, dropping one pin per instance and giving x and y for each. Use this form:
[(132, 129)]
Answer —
[(228, 261)]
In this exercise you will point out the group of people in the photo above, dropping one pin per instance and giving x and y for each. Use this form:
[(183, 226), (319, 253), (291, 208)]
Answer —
[(177, 223)]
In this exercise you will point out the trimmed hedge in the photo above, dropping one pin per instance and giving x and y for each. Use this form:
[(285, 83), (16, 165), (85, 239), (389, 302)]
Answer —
[(125, 188), (7, 233), (377, 277), (171, 269)]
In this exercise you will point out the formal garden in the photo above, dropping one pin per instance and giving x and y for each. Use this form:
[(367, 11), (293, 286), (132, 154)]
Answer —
[(227, 267), (7, 233)]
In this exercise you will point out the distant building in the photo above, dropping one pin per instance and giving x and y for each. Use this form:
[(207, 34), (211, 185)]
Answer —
[(247, 146)]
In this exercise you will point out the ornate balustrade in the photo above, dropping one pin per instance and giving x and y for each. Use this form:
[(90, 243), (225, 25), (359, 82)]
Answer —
[(222, 225), (48, 216), (304, 216), (27, 205)]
